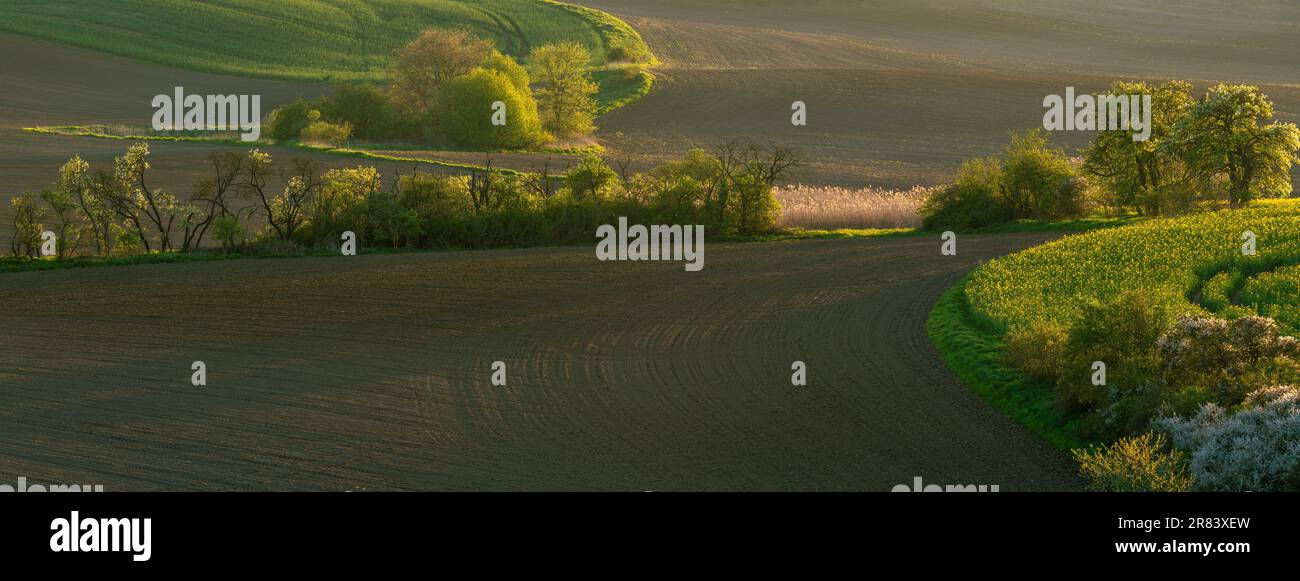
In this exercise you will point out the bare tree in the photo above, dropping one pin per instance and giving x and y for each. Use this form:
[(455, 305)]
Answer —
[(727, 159), (212, 193), (540, 182), (623, 163), (283, 212), (483, 185), (773, 164), (192, 219)]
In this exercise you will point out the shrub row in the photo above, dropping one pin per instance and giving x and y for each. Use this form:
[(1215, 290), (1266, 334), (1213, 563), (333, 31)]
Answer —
[(248, 202)]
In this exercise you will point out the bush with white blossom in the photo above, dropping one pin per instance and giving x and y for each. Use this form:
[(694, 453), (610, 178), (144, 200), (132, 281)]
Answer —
[(1256, 449)]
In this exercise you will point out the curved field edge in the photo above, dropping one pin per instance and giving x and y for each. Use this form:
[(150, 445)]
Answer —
[(353, 152), (1228, 291), (10, 265), (330, 43), (620, 85), (1191, 262), (614, 32), (974, 356)]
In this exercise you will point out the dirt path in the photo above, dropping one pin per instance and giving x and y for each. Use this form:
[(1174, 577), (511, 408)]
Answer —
[(373, 373)]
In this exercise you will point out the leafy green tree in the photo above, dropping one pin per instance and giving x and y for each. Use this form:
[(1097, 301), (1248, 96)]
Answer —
[(1142, 174), (467, 112), (67, 231), (590, 179), (230, 232), (1035, 180), (698, 164), (972, 201), (76, 185), (565, 91), (1223, 139), (507, 66), (755, 208), (323, 132), (678, 189), (1123, 334), (1032, 174), (341, 203), (26, 240), (434, 195), (285, 123), (432, 60), (364, 106)]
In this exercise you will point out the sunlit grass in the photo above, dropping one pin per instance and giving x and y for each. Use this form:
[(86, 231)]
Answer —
[(294, 39)]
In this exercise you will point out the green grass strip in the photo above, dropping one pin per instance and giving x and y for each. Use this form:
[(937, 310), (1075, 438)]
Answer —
[(975, 356)]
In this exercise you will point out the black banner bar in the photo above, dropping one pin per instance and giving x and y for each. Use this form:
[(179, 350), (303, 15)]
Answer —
[(320, 531)]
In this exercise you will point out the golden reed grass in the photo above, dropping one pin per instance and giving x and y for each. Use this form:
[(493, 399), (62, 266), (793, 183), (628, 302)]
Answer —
[(830, 208)]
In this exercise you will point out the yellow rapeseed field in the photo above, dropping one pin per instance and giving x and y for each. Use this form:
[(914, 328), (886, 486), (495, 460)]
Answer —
[(1276, 294), (1168, 258)]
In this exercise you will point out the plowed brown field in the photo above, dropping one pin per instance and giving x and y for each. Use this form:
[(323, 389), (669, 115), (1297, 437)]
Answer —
[(373, 373), (899, 92)]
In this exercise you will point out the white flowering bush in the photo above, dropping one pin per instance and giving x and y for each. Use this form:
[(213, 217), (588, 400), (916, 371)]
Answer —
[(1238, 343), (1229, 358), (1254, 449)]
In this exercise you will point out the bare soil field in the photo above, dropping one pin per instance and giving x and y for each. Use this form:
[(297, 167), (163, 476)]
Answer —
[(1233, 40), (898, 94), (373, 373)]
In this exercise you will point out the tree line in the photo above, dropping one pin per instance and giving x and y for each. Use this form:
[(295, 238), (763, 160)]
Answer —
[(1220, 149), (250, 204)]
